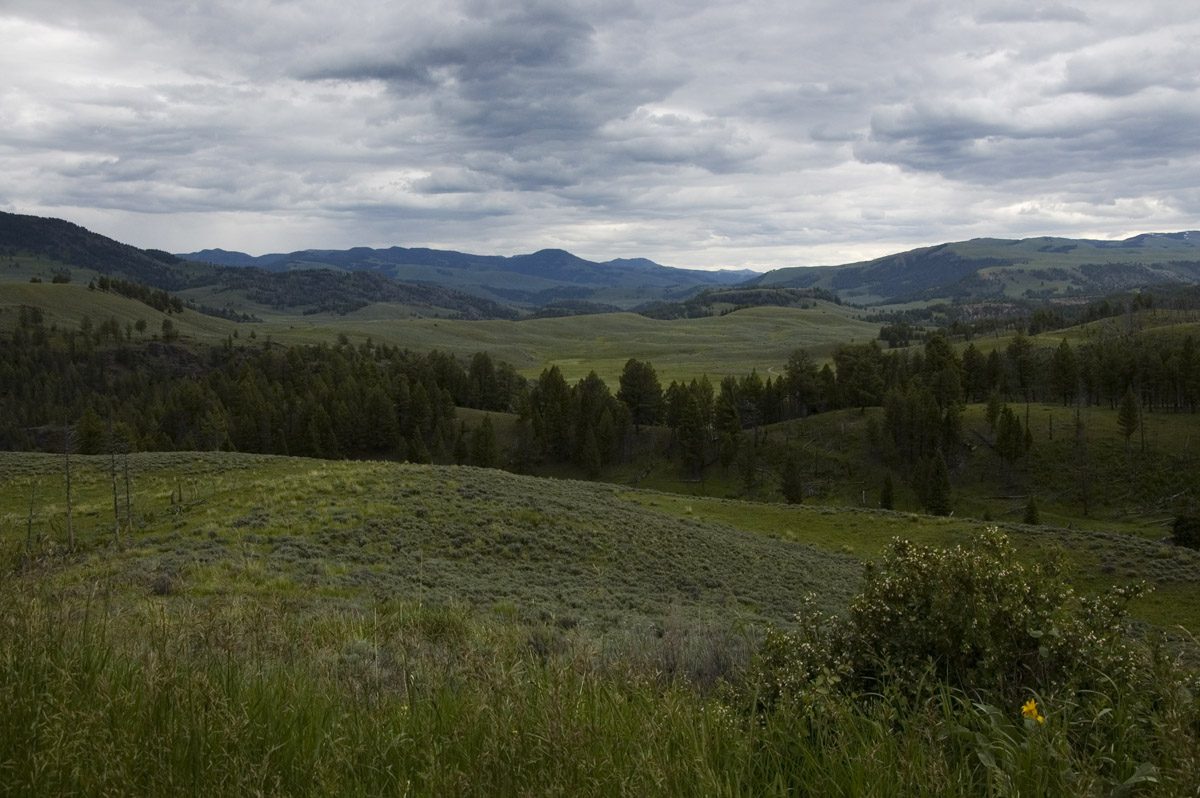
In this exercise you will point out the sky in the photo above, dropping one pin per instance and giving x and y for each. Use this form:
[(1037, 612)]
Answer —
[(746, 134)]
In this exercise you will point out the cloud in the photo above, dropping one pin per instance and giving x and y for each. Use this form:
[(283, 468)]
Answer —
[(719, 133)]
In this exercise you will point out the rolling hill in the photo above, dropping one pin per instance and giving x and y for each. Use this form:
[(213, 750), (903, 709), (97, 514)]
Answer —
[(39, 247), (993, 268)]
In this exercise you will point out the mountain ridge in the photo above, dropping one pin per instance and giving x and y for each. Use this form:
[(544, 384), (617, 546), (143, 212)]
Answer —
[(1041, 267), (534, 279)]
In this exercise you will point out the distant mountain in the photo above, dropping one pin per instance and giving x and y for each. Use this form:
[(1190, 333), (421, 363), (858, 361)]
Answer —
[(252, 288), (543, 277), (994, 268), (71, 245)]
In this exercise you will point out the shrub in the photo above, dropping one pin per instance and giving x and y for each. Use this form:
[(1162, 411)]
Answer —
[(1185, 531), (974, 618)]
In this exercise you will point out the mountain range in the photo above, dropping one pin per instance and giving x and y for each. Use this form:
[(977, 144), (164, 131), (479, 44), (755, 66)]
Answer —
[(541, 278), (445, 282)]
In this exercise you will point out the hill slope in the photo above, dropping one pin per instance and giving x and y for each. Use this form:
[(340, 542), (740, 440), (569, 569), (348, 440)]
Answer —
[(44, 246), (986, 268), (444, 534)]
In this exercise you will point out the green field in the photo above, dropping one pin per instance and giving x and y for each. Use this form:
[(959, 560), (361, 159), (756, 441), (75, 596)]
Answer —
[(760, 338)]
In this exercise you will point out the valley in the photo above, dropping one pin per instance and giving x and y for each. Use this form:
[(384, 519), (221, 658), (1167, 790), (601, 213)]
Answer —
[(429, 545)]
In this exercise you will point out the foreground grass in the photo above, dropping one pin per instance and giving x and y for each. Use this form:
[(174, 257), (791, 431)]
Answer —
[(279, 626), (252, 697)]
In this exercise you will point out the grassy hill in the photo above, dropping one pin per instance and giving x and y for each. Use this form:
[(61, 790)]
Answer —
[(289, 626), (990, 268), (284, 527)]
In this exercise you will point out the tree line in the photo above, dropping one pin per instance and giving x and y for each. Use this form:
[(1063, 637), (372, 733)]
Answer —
[(380, 401)]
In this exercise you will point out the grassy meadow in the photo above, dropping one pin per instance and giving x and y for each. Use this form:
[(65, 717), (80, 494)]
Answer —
[(284, 626), (759, 338)]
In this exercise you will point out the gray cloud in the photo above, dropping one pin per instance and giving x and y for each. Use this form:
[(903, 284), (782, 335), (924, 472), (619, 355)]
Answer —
[(761, 133)]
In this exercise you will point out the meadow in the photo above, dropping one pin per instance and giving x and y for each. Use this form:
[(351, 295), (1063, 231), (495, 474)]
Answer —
[(287, 626), (761, 338)]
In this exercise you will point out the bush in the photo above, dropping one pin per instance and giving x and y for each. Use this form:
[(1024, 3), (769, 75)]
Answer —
[(1185, 531), (973, 618)]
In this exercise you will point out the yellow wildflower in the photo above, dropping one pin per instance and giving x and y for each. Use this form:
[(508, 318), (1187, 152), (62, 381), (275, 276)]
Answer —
[(1029, 710)]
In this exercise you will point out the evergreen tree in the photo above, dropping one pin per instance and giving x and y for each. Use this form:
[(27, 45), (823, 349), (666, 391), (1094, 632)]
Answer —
[(747, 461), (938, 499), (1064, 375), (1189, 374), (791, 482), (641, 392), (1031, 516), (859, 375), (887, 495), (1129, 416), (1019, 354), (692, 435), (1010, 438), (90, 436), (460, 445), (589, 453), (994, 406), (974, 374), (418, 452), (550, 412), (607, 438), (800, 383), (484, 452)]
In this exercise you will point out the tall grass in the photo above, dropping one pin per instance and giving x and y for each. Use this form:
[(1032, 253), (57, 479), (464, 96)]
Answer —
[(173, 699)]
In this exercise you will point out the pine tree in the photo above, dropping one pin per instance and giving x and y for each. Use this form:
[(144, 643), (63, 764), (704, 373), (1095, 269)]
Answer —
[(641, 392), (791, 483), (418, 452), (89, 433), (692, 435), (1010, 438), (887, 495), (1031, 512), (1064, 372), (938, 499), (1129, 416), (460, 445), (994, 407), (484, 452), (589, 453)]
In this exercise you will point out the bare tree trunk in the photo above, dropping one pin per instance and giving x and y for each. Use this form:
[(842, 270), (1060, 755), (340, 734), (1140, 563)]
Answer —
[(67, 464), (29, 524), (128, 504), (112, 472)]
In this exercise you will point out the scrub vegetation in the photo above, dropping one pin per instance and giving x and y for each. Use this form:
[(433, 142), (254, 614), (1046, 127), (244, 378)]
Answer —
[(295, 626)]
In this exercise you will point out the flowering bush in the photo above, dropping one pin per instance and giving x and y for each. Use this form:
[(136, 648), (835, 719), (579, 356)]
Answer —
[(974, 618)]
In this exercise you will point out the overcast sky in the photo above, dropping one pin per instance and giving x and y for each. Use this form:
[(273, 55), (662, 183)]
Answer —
[(742, 134)]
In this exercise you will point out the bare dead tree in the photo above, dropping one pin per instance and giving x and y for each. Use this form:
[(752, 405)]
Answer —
[(68, 442), (29, 524), (112, 472), (128, 504)]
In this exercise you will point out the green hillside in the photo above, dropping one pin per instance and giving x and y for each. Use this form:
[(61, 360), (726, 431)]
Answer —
[(301, 626), (342, 530), (989, 268)]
